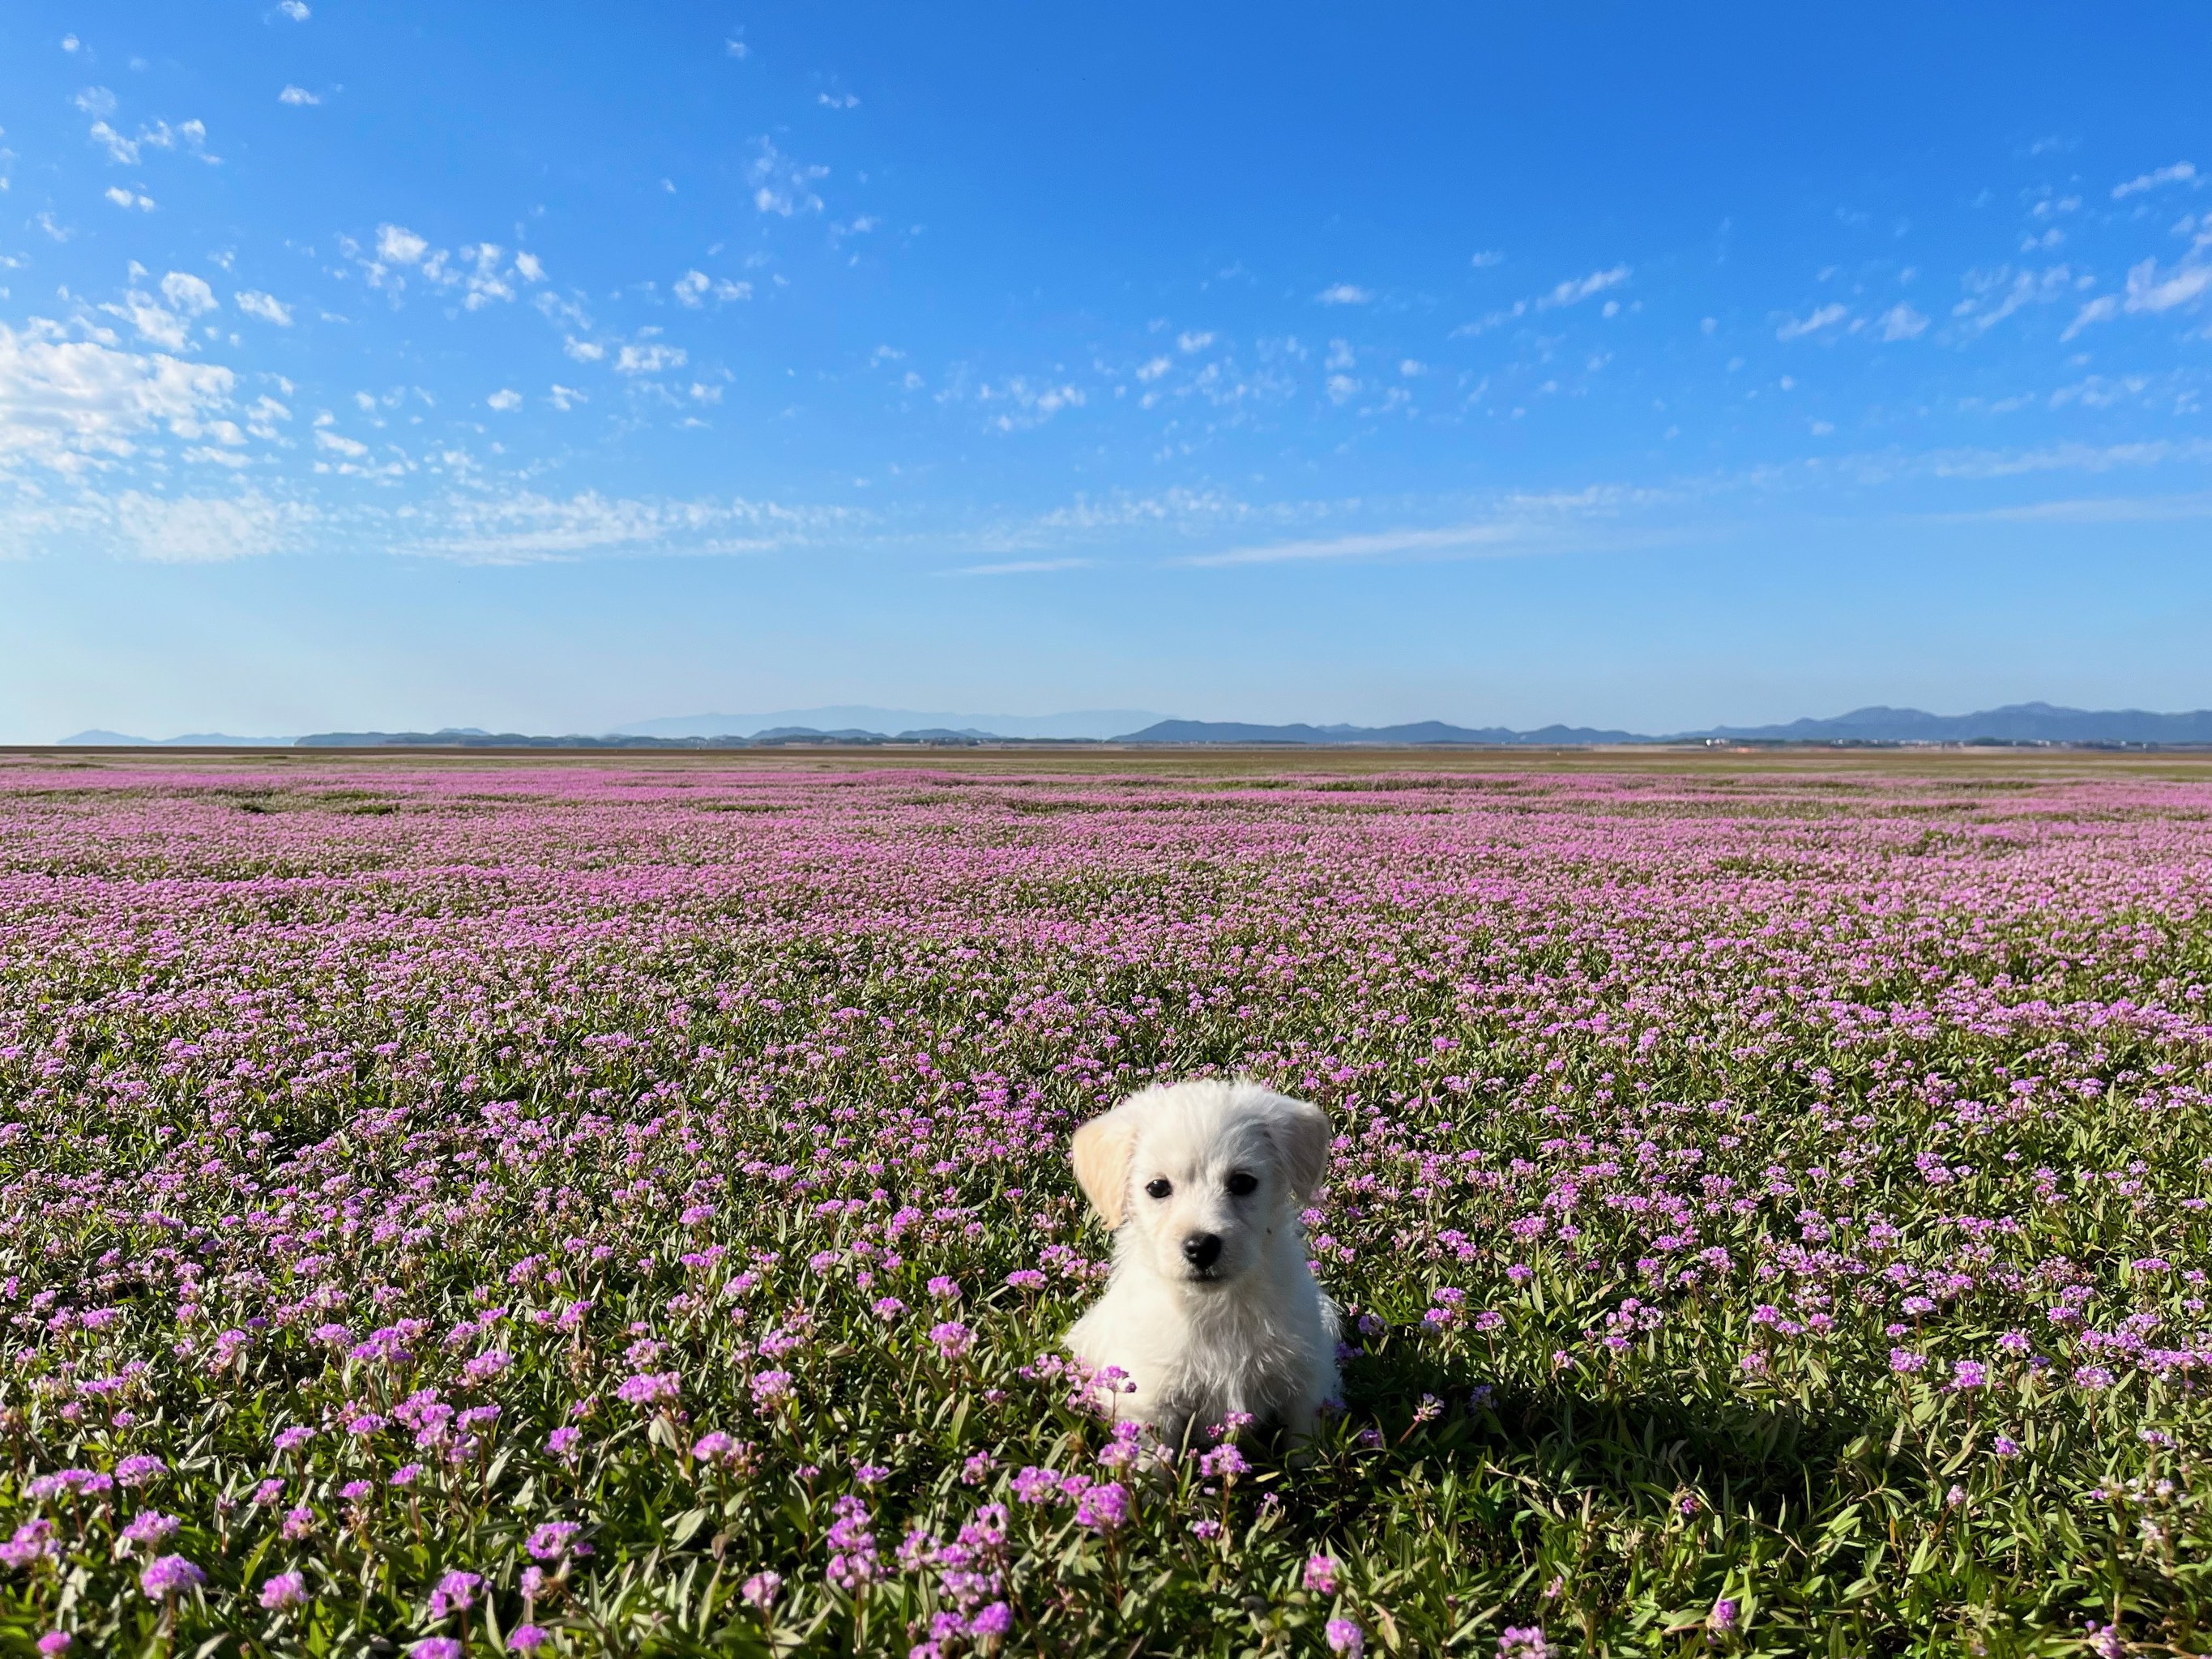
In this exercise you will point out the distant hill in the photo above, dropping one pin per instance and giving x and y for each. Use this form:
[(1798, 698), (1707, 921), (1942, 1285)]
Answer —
[(96, 738), (2019, 722), (1419, 732), (2024, 722), (856, 717)]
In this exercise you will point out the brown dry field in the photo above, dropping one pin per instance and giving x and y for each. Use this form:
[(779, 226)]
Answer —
[(1956, 765)]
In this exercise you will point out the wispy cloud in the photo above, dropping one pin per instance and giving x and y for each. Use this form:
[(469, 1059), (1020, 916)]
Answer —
[(1826, 316), (1575, 289), (1019, 568), (1345, 293), (2180, 172)]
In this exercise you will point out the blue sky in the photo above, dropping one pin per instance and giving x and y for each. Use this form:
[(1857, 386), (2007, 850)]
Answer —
[(559, 367)]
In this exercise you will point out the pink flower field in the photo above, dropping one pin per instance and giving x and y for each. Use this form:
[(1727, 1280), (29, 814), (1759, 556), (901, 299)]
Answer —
[(626, 1211)]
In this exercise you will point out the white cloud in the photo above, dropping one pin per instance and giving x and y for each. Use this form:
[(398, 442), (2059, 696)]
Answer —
[(188, 294), (2150, 291), (295, 9), (68, 404), (524, 527), (1155, 368), (654, 358), (529, 267), (338, 444), (2180, 173), (1457, 536), (505, 400), (122, 198), (566, 398), (694, 288), (837, 101), (1826, 316), (396, 245), (126, 152), (1019, 568), (1486, 259), (298, 97), (205, 529), (1579, 288), (267, 307), (583, 351), (781, 185), (1901, 322), (122, 151), (1191, 341), (736, 48), (1991, 297), (1023, 404), (1345, 293)]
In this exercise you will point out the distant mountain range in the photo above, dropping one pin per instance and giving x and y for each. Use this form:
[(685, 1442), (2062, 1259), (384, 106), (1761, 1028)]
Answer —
[(1419, 733), (98, 739), (861, 717), (2024, 722)]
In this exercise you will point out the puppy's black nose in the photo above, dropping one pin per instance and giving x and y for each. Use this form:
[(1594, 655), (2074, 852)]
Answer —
[(1202, 1251)]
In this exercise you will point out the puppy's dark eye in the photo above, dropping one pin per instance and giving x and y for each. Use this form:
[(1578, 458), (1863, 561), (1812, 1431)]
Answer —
[(1159, 1188), (1243, 1185)]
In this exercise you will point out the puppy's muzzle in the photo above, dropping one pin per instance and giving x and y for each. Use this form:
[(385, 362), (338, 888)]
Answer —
[(1202, 1251)]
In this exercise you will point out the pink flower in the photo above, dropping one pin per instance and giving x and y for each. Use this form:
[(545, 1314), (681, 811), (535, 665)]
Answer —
[(1344, 1636), (1104, 1507), (760, 1590), (952, 1338), (283, 1590), (169, 1575), (1321, 1574)]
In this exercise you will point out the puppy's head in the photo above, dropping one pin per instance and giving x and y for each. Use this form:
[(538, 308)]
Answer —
[(1198, 1178)]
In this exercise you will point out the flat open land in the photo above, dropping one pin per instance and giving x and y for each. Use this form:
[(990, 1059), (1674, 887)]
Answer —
[(618, 1204)]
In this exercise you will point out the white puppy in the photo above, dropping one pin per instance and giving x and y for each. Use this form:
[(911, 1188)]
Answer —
[(1211, 1308)]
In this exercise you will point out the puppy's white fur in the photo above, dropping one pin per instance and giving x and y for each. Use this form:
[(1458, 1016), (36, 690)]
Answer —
[(1201, 1333)]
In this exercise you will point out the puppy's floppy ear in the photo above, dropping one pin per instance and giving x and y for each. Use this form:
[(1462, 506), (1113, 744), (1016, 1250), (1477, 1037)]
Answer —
[(1101, 1154), (1301, 1133)]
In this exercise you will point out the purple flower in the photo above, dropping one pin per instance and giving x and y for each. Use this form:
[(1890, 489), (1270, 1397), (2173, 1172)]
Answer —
[(887, 1307), (561, 1440), (140, 1470), (1104, 1507), (55, 1642), (1524, 1642), (435, 1647), (771, 1387), (760, 1590), (283, 1590), (991, 1622), (150, 1527), (1969, 1374), (1224, 1463), (551, 1539), (169, 1575), (1026, 1278), (1321, 1574), (2092, 1376), (291, 1439), (1344, 1636), (406, 1474), (1722, 1616), (456, 1592), (2006, 1446), (952, 1338), (650, 1388), (944, 1289), (1905, 1362), (528, 1638)]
